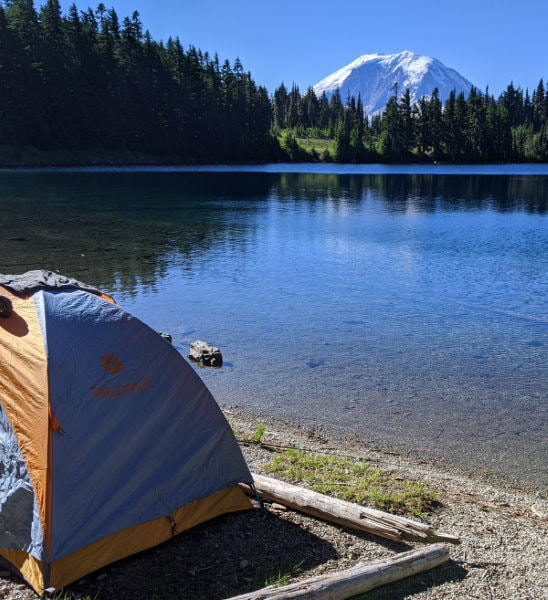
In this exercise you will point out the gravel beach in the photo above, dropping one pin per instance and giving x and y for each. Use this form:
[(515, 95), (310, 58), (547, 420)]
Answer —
[(503, 530)]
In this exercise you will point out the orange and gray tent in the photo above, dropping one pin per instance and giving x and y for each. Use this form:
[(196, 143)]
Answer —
[(109, 441)]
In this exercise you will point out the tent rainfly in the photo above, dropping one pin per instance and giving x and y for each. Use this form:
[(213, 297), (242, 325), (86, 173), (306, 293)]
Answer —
[(109, 441)]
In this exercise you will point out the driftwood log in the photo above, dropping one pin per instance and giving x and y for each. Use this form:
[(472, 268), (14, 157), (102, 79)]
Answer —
[(358, 579), (347, 514)]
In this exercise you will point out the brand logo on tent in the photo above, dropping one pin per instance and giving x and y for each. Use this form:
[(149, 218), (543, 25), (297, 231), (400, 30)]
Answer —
[(107, 391), (111, 364)]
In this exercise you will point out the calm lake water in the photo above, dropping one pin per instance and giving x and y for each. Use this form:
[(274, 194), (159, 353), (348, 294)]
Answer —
[(406, 305)]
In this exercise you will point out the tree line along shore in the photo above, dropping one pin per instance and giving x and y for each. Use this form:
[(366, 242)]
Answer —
[(89, 86)]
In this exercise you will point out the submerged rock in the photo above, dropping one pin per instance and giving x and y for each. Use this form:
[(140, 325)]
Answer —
[(205, 355)]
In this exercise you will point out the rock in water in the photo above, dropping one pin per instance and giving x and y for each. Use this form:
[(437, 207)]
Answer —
[(205, 355), (166, 336)]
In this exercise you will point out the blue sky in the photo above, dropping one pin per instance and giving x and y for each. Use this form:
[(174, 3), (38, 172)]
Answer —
[(488, 41)]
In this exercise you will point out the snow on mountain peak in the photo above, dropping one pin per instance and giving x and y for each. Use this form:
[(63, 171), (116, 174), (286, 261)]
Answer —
[(373, 76)]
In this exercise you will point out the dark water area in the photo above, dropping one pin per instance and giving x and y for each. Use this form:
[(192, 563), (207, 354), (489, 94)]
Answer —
[(409, 309)]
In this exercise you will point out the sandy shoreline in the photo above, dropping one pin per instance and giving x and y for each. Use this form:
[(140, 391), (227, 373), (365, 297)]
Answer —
[(375, 443), (503, 529)]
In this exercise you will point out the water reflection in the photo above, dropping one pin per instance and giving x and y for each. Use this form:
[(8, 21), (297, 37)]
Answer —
[(410, 308), (424, 192), (122, 231)]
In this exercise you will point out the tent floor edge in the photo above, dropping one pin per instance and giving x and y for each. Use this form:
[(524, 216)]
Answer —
[(144, 536)]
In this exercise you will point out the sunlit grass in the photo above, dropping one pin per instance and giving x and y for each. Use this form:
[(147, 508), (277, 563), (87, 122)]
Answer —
[(354, 481)]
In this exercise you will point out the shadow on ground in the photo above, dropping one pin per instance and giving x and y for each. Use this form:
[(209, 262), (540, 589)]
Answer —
[(231, 555)]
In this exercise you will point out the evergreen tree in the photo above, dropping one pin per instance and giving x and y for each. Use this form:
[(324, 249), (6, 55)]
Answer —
[(11, 84), (435, 124), (23, 19), (323, 112), (475, 126), (406, 120), (451, 127), (294, 112), (343, 149), (503, 133), (26, 69), (310, 108), (279, 106), (539, 106), (390, 140), (336, 113)]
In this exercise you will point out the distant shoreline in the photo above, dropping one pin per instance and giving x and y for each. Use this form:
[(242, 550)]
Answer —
[(114, 164), (62, 159), (284, 167)]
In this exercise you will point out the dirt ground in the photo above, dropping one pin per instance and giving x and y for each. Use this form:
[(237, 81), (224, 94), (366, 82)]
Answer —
[(503, 554)]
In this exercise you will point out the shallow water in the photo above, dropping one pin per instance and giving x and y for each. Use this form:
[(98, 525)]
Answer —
[(409, 308)]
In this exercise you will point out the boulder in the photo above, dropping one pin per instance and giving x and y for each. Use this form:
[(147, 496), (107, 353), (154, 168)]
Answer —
[(205, 355)]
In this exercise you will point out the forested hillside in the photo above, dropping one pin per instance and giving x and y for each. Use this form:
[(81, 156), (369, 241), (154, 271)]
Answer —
[(88, 80), (89, 83), (479, 128)]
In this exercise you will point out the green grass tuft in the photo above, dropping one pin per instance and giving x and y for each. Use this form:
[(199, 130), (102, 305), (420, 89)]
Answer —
[(283, 574), (259, 432), (354, 481)]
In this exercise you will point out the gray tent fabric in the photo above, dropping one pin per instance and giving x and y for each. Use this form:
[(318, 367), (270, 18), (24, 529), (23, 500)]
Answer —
[(20, 527), (42, 279)]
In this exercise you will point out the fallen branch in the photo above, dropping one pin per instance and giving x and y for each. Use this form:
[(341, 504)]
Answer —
[(279, 448), (347, 514), (358, 580)]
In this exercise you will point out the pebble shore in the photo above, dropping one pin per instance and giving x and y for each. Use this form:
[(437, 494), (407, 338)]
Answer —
[(503, 530)]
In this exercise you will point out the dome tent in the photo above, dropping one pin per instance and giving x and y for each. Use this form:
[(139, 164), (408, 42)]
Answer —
[(109, 441)]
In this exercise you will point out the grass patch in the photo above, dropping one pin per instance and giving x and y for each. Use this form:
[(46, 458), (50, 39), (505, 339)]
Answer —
[(283, 574), (317, 144), (306, 148), (354, 481), (259, 432)]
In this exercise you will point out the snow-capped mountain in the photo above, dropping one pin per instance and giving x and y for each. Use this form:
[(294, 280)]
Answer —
[(374, 76)]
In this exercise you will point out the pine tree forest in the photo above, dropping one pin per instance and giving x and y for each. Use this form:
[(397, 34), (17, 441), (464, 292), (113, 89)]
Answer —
[(90, 81)]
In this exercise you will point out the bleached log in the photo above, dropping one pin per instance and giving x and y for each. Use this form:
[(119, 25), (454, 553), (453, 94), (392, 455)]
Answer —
[(358, 580), (354, 516)]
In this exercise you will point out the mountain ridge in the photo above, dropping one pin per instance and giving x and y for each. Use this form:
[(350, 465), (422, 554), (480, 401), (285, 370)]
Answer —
[(374, 77)]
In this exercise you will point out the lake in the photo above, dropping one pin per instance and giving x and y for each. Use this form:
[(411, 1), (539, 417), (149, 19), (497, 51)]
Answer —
[(406, 305)]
